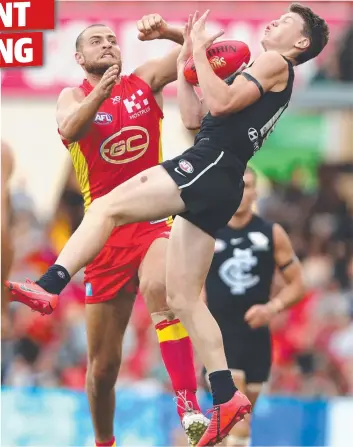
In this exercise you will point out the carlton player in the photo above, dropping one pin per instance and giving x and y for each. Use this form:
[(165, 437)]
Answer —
[(248, 252), (111, 126), (203, 187)]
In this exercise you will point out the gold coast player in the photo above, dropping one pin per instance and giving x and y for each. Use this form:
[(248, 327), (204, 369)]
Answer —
[(203, 187), (111, 125), (248, 251)]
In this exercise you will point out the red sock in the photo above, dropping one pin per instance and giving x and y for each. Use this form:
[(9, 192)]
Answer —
[(110, 443), (178, 357)]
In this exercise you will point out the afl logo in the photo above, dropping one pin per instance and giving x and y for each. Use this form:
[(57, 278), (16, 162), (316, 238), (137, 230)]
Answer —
[(186, 166), (127, 145), (103, 118)]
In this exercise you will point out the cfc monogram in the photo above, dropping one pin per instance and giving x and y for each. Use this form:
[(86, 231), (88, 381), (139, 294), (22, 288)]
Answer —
[(127, 145)]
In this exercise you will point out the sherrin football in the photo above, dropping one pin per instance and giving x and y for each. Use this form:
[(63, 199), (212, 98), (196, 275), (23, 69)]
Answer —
[(225, 57)]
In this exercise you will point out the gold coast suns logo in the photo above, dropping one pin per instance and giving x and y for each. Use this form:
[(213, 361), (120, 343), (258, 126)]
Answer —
[(127, 145), (217, 62)]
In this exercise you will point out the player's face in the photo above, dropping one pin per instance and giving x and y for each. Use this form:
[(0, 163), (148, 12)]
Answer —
[(99, 50), (285, 34), (249, 195)]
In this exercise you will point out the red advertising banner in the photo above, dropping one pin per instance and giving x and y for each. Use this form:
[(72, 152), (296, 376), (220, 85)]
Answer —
[(241, 20), (24, 49), (21, 50), (23, 15)]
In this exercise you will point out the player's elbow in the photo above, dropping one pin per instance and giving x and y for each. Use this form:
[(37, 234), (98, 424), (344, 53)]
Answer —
[(69, 132), (302, 289), (192, 125), (225, 107), (66, 134), (220, 108), (300, 286), (192, 122)]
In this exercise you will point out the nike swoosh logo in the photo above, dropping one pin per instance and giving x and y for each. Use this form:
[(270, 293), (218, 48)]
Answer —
[(177, 170)]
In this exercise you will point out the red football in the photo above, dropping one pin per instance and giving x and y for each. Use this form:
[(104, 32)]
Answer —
[(225, 57)]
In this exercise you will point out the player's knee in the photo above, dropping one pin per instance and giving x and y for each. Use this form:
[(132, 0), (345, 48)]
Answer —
[(99, 207), (102, 375), (154, 293), (106, 208), (178, 303)]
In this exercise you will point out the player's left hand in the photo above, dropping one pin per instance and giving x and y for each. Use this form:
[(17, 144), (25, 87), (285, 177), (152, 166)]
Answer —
[(186, 49), (259, 315), (151, 27), (201, 40)]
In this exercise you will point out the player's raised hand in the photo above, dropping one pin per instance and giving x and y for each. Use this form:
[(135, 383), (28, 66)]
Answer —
[(201, 40), (186, 50), (107, 82), (151, 27)]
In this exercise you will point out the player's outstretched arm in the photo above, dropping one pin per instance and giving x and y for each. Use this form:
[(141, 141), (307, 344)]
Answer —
[(290, 269), (268, 70), (190, 105), (159, 72), (75, 112)]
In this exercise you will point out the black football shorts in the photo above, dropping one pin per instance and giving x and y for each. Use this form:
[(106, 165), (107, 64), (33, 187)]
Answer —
[(211, 184)]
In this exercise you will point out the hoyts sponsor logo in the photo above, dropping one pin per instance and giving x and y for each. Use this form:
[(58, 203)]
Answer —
[(24, 49), (103, 118)]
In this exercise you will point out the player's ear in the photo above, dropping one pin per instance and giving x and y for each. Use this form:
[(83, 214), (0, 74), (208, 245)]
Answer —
[(303, 43), (79, 58)]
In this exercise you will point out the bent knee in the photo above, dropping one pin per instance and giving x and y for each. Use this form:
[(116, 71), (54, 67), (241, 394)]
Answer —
[(178, 303), (100, 207), (107, 208), (154, 293), (103, 375)]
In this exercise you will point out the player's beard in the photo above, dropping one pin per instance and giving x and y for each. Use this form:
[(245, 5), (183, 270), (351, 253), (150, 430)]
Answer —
[(100, 68)]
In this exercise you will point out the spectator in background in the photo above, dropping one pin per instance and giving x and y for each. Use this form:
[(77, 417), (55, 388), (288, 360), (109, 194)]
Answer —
[(338, 65), (346, 57), (69, 213), (312, 343)]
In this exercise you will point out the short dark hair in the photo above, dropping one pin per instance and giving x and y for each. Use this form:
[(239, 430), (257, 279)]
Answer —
[(315, 29), (80, 36)]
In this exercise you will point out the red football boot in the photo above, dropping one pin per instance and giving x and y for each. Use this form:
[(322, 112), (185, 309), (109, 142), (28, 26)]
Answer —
[(33, 296), (224, 417)]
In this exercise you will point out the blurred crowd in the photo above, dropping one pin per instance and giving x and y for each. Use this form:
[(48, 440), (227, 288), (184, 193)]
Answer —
[(312, 343), (338, 66)]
